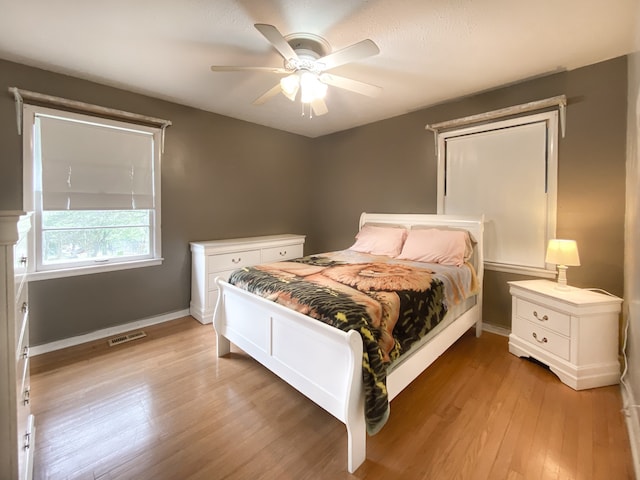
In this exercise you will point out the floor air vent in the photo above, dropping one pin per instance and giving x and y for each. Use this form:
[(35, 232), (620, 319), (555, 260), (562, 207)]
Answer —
[(126, 338)]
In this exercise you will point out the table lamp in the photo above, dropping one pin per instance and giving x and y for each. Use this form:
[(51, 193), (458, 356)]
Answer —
[(563, 253)]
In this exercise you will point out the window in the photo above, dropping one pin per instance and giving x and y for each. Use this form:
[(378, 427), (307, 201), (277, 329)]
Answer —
[(506, 170), (94, 187)]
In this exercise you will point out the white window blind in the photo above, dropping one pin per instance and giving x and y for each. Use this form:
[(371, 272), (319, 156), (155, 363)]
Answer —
[(88, 166), (94, 187), (506, 171)]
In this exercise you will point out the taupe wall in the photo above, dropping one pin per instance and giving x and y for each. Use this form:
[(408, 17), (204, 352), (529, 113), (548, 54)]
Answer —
[(221, 178), (390, 166), (218, 171)]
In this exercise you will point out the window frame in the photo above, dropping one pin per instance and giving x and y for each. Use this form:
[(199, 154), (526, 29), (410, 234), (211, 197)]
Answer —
[(551, 178), (36, 270)]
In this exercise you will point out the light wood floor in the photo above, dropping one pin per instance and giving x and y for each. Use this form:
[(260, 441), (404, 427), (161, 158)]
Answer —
[(164, 407)]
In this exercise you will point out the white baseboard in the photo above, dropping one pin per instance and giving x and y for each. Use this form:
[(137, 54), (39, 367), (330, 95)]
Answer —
[(633, 426), (106, 332), (166, 317), (487, 327)]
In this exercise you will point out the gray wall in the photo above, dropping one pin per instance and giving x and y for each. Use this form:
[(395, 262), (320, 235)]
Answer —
[(221, 178), (218, 171), (390, 166)]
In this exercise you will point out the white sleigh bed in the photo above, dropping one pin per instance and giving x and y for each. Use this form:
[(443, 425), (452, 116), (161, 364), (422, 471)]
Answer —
[(325, 363)]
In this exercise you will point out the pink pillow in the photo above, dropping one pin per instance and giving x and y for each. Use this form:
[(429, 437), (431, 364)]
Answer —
[(435, 246), (468, 238), (380, 240)]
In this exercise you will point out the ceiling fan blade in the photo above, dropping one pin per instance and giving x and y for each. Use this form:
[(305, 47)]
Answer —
[(351, 85), (268, 95), (230, 68), (319, 107), (357, 51), (273, 35)]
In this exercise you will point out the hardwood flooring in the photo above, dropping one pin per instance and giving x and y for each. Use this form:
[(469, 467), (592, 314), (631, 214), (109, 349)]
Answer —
[(164, 407)]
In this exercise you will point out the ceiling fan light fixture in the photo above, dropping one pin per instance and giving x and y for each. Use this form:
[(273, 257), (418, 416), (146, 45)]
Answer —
[(311, 88), (290, 86)]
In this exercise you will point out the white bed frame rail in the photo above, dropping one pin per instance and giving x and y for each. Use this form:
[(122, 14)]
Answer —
[(323, 362)]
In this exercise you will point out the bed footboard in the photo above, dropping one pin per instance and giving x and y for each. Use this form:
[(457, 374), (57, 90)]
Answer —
[(321, 362)]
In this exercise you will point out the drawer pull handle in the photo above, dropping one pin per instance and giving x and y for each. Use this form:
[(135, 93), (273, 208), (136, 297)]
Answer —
[(282, 254), (24, 308), (236, 260), (23, 260), (544, 339), (542, 319), (26, 397), (25, 352)]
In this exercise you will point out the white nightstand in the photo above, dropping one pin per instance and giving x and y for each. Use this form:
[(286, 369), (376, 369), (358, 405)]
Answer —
[(574, 332)]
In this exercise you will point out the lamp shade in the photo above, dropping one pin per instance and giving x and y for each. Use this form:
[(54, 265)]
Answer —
[(563, 252)]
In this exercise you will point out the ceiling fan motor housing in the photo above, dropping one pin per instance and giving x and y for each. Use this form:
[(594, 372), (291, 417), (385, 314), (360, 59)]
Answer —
[(309, 48)]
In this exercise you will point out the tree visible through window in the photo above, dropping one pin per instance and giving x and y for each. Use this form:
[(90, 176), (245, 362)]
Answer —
[(69, 236)]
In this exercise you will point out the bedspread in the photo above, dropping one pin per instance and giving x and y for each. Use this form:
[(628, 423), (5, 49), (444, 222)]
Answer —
[(392, 304)]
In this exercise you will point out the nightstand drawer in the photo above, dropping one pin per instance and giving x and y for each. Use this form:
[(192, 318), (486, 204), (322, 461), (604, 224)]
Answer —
[(231, 261), (544, 316), (543, 338)]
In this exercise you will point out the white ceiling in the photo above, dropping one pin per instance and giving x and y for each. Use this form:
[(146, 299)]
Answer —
[(430, 50)]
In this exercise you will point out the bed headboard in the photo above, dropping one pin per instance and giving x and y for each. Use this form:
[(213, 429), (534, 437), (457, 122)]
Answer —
[(475, 226)]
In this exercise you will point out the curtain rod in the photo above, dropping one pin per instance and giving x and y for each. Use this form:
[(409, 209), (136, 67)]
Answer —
[(25, 96), (560, 101)]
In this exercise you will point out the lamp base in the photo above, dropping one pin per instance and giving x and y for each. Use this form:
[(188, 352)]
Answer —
[(562, 278)]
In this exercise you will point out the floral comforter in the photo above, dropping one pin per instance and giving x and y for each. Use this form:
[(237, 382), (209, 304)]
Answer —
[(392, 303)]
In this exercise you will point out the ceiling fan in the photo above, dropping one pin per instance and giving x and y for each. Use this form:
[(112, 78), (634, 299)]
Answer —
[(307, 58)]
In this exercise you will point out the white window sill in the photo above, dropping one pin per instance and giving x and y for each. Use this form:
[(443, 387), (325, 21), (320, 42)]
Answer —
[(87, 270), (520, 270)]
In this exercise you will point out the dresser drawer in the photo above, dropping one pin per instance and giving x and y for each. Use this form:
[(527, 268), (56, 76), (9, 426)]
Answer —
[(231, 261), (20, 263), (544, 316), (23, 392), (276, 254), (22, 377), (21, 316), (224, 275), (25, 441), (543, 338), (22, 347), (212, 299)]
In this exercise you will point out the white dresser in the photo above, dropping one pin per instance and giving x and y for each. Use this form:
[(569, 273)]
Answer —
[(574, 332), (219, 258), (17, 429)]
